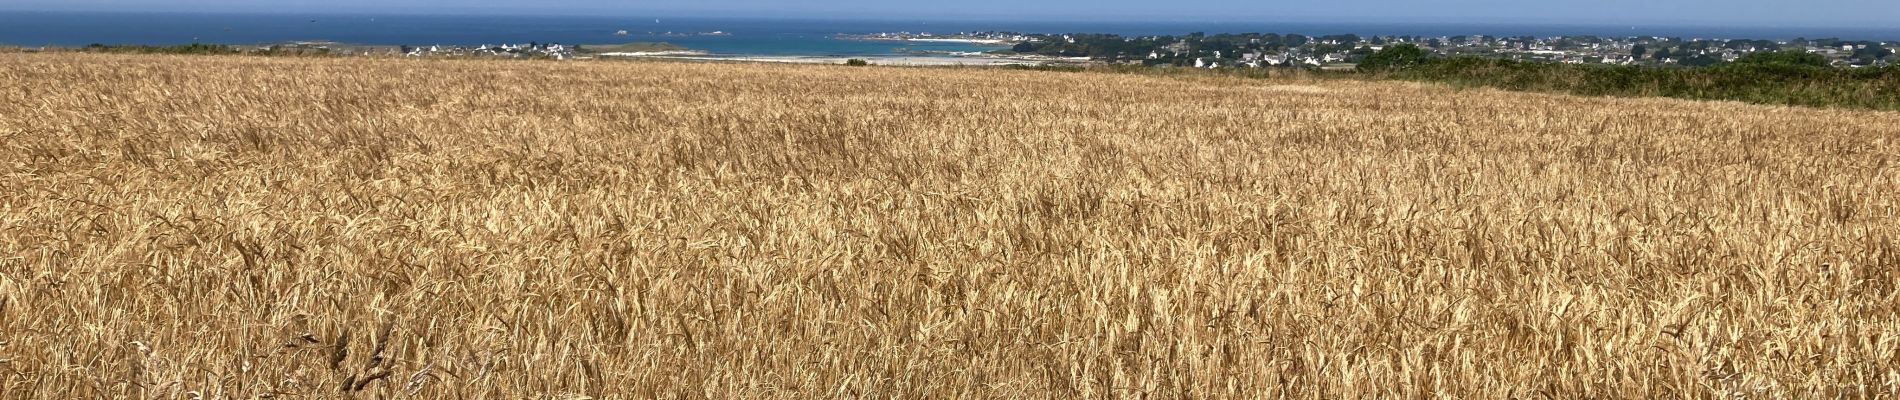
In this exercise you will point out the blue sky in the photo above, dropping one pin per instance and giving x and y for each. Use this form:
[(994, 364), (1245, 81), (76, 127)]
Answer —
[(1837, 13)]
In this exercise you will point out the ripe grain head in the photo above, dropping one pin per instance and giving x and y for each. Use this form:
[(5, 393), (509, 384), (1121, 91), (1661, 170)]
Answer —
[(539, 229)]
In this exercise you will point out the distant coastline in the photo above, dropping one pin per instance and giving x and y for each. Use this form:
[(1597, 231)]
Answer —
[(1316, 45), (36, 28)]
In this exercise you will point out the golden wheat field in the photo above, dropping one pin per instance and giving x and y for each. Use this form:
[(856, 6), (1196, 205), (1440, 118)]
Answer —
[(239, 228)]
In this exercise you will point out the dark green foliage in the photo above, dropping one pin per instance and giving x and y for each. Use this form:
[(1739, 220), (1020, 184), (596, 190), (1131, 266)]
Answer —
[(194, 48), (616, 48), (1393, 58), (1200, 45), (855, 62), (1048, 68), (293, 51), (1700, 61), (1868, 54), (1784, 80), (1251, 73), (1790, 57), (200, 48)]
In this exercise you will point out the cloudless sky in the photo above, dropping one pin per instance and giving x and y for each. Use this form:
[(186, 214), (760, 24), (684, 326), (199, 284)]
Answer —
[(1807, 13)]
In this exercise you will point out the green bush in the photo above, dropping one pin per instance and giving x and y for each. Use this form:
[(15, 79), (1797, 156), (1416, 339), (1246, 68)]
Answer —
[(855, 62), (1393, 58), (1786, 79), (1058, 68), (1788, 57), (194, 48)]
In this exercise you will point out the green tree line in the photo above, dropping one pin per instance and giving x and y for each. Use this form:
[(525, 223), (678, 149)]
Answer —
[(1794, 78)]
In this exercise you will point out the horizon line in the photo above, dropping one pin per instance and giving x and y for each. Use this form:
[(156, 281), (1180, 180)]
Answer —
[(1225, 20)]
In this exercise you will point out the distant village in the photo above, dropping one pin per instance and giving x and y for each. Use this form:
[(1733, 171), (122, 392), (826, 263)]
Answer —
[(508, 50), (531, 49), (1197, 50), (1294, 50), (538, 50)]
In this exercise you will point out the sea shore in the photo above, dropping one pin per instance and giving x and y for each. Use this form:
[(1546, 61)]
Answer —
[(916, 61)]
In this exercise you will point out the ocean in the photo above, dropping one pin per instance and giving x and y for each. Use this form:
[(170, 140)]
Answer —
[(767, 37)]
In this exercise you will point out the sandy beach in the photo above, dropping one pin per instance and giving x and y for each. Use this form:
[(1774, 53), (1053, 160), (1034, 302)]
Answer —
[(973, 41), (663, 53), (914, 61)]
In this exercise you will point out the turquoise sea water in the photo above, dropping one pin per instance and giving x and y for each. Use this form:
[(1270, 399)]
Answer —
[(740, 37), (744, 36)]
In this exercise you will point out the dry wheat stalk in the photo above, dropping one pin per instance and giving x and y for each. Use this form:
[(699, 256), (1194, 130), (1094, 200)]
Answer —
[(637, 230)]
